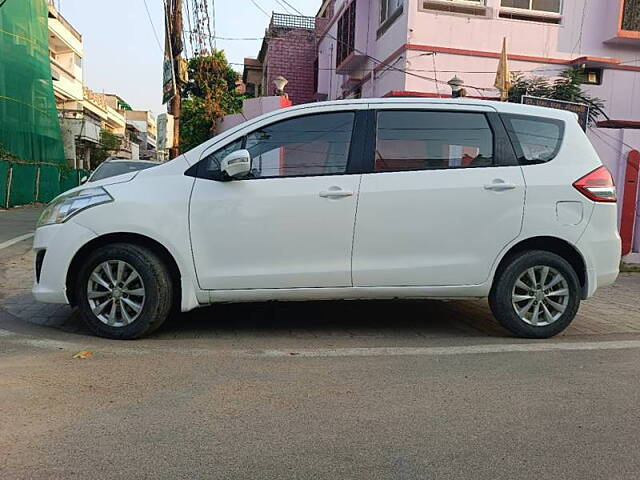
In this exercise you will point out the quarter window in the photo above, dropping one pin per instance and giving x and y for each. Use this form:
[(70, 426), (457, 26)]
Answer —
[(536, 139), (422, 140), (309, 145)]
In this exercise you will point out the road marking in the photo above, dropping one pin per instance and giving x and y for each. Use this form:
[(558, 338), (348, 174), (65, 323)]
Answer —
[(114, 348), (13, 241), (454, 350)]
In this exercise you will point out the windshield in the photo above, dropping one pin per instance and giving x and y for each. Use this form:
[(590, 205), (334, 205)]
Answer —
[(110, 169)]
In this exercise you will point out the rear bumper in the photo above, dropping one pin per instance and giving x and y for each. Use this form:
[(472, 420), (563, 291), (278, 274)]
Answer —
[(600, 246), (59, 243)]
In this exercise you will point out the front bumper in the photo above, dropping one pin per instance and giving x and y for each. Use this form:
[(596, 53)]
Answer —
[(59, 243)]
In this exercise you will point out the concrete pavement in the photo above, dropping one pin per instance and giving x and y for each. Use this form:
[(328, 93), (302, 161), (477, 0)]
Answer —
[(388, 390)]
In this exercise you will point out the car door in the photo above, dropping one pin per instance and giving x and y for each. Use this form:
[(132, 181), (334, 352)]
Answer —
[(443, 197), (288, 224)]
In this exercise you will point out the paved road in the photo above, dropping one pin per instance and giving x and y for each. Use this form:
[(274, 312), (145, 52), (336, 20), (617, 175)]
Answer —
[(18, 221), (328, 390)]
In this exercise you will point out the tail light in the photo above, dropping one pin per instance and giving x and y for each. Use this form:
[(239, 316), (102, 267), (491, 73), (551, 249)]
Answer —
[(597, 185)]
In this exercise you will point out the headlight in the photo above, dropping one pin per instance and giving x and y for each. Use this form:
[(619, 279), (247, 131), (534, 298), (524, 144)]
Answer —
[(66, 206)]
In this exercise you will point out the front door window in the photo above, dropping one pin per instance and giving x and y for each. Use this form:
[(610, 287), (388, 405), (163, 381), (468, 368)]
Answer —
[(303, 146)]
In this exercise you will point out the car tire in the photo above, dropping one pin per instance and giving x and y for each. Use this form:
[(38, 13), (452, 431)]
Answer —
[(535, 294), (124, 291)]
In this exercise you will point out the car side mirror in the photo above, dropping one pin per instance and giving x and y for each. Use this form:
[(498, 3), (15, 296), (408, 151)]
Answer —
[(83, 179), (237, 164)]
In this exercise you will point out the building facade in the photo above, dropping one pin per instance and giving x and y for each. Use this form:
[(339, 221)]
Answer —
[(84, 113), (145, 123)]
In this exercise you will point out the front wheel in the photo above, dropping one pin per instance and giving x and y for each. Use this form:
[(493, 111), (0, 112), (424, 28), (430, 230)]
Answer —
[(124, 291), (536, 295)]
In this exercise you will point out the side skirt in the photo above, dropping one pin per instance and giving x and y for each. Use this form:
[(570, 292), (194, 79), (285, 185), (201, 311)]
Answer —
[(349, 293)]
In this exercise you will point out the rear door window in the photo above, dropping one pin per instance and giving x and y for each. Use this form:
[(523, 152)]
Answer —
[(535, 139), (425, 140)]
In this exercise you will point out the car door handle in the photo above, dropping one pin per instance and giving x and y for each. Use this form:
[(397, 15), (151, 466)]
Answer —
[(499, 186), (335, 193)]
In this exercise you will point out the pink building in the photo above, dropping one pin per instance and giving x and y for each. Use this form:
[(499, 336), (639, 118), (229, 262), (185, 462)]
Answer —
[(377, 48)]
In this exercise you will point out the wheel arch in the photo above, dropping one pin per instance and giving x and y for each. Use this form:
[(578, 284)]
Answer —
[(131, 238), (550, 244)]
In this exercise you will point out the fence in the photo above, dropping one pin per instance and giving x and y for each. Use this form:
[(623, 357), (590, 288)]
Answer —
[(24, 183)]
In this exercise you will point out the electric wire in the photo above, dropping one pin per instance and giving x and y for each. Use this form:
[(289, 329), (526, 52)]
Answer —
[(155, 33)]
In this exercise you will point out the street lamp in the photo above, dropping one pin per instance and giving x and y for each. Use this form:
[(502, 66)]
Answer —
[(280, 82), (456, 87)]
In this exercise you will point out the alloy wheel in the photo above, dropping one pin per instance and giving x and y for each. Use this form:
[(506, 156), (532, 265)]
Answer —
[(116, 293), (540, 295)]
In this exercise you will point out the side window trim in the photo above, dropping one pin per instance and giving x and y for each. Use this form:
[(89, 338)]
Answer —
[(370, 163), (503, 151)]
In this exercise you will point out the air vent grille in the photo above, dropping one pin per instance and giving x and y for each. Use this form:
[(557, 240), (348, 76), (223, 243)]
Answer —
[(465, 8)]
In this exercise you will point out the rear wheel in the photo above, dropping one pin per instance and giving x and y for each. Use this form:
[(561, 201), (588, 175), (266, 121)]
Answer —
[(536, 295), (124, 291)]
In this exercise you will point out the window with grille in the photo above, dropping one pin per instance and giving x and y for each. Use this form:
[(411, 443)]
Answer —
[(346, 33), (631, 15)]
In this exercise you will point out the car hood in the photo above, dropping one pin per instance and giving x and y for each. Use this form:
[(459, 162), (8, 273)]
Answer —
[(178, 165), (122, 178)]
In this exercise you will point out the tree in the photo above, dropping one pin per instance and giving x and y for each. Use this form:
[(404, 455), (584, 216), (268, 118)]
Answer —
[(209, 94), (108, 144), (5, 154), (567, 87)]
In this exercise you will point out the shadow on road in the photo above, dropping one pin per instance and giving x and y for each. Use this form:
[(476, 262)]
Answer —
[(355, 318)]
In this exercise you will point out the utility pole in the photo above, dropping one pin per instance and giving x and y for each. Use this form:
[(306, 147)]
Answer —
[(174, 22)]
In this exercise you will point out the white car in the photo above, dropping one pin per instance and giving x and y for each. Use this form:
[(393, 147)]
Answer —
[(358, 199)]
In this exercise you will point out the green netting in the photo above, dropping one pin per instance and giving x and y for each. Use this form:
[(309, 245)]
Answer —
[(4, 173), (68, 181), (71, 179), (23, 184), (49, 183), (29, 127)]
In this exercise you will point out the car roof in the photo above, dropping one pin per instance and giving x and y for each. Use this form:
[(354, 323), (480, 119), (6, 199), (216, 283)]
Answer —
[(502, 107)]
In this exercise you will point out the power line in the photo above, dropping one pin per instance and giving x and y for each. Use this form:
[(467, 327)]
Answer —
[(260, 8), (293, 8), (617, 139), (217, 37), (280, 3), (385, 64), (578, 44), (155, 34), (605, 142)]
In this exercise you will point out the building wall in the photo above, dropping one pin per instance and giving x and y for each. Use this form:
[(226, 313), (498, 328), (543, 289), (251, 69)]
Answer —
[(291, 54), (65, 54), (367, 43)]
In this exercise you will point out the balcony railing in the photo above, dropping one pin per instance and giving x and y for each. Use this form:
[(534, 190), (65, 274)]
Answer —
[(281, 20)]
